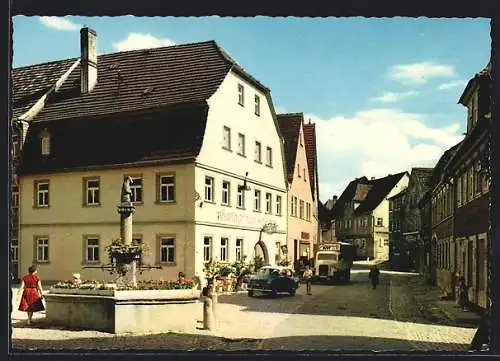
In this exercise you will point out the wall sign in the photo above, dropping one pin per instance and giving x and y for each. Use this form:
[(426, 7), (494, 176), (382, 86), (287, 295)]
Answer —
[(304, 235), (243, 219)]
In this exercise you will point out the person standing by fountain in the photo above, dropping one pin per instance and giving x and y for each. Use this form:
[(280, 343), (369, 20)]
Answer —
[(31, 293)]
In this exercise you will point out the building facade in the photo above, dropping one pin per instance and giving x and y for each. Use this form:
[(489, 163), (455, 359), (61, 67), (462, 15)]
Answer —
[(398, 254), (361, 214), (469, 169), (206, 184), (406, 240), (302, 217)]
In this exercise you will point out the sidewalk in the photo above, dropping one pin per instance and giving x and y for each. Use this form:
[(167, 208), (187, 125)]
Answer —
[(430, 299)]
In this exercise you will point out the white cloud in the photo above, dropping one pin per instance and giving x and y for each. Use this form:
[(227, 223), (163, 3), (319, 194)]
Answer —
[(58, 23), (420, 73), (452, 84), (390, 97), (374, 143), (136, 41)]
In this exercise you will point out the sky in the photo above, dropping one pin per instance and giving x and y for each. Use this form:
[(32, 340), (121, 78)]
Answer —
[(382, 92)]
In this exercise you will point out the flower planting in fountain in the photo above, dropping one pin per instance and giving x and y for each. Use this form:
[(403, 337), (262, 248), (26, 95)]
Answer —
[(121, 254), (141, 285)]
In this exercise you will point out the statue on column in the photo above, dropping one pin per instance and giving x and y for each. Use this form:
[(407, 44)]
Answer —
[(126, 195)]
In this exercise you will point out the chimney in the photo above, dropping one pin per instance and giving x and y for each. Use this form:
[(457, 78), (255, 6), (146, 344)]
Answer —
[(88, 60)]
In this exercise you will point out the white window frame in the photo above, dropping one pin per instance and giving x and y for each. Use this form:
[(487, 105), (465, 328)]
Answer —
[(137, 188), (92, 193), (301, 209), (226, 193), (226, 138), (207, 248), (258, 152), (169, 248), (256, 203), (44, 193), (42, 249), (269, 203), (278, 205), (45, 144), (295, 206), (257, 105), (224, 246), (269, 156), (238, 249), (209, 189), (241, 95), (240, 198), (167, 182), (241, 144), (92, 249)]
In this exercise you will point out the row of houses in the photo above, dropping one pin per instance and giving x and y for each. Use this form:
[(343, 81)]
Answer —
[(439, 225), (217, 174), (360, 215)]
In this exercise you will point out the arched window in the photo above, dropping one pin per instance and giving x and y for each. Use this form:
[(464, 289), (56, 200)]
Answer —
[(45, 142)]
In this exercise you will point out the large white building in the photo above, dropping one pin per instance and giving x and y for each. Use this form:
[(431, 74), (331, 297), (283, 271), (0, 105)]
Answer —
[(195, 131)]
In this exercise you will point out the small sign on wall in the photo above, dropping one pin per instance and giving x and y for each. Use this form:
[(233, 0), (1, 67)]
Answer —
[(304, 235)]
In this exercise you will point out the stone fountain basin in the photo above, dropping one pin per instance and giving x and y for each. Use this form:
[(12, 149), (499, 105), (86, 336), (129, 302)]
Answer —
[(132, 311)]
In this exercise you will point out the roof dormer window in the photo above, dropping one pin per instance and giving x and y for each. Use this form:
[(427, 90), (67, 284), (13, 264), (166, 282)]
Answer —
[(45, 143)]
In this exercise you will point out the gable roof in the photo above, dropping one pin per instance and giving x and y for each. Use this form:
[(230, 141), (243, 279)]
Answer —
[(147, 106), (347, 195), (381, 187), (128, 81), (311, 154), (440, 166), (289, 125)]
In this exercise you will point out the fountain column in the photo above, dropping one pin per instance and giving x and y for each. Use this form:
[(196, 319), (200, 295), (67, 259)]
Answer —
[(126, 210)]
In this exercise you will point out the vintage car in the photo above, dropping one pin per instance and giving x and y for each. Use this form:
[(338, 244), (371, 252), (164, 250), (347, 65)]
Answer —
[(272, 280)]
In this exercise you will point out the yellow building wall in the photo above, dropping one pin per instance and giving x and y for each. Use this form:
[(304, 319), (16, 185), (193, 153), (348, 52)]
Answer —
[(66, 221)]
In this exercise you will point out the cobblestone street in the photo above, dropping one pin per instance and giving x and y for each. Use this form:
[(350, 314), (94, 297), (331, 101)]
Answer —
[(338, 317)]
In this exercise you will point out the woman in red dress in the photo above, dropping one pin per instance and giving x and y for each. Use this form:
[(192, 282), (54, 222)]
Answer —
[(32, 293)]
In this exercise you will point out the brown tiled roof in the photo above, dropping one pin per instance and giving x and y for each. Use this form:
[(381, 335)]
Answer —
[(346, 196), (312, 154), (173, 134), (147, 106), (128, 81), (380, 190), (289, 125)]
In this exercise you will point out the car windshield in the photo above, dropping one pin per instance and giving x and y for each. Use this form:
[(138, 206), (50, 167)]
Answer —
[(268, 272), (327, 257)]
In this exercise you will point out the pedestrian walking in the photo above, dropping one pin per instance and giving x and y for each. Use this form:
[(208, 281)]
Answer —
[(462, 293), (31, 293), (374, 276), (308, 278)]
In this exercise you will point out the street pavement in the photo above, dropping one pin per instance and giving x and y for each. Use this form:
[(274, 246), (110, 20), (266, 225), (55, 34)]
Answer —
[(335, 317)]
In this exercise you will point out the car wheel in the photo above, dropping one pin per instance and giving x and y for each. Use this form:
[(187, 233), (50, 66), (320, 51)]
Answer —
[(250, 293), (292, 292)]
